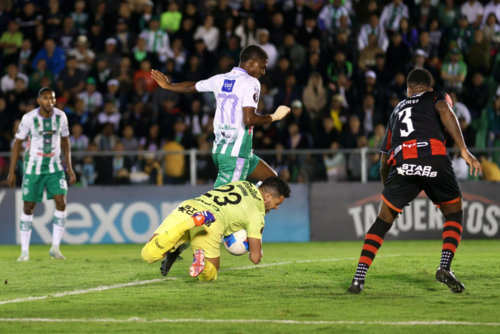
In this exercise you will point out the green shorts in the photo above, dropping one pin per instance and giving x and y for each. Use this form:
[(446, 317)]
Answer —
[(233, 169), (33, 186)]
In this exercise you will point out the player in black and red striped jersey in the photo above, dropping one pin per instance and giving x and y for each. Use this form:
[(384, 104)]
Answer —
[(414, 158)]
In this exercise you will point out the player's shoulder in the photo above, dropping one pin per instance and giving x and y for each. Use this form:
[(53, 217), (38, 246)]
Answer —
[(31, 114), (59, 112)]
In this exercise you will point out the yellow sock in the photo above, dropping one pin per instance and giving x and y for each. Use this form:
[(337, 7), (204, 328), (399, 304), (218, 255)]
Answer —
[(162, 243), (209, 273)]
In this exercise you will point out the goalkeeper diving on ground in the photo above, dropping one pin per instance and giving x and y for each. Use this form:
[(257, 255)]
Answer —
[(202, 222)]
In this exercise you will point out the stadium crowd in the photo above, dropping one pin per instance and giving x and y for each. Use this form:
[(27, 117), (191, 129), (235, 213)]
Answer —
[(340, 65)]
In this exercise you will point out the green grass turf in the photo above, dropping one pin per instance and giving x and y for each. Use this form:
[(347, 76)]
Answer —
[(400, 287)]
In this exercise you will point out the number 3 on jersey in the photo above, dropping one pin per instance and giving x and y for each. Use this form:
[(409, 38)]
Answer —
[(406, 114)]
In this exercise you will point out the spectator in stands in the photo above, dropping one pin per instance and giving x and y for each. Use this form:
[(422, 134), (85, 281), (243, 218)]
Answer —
[(398, 53), (301, 118), (175, 164), (314, 95), (157, 41), (366, 60), (79, 141), (102, 18), (352, 133), (206, 59), (368, 115), (17, 99), (139, 118), (372, 87), (80, 116), (71, 78), (329, 17), (478, 58), (66, 37), (293, 51), (171, 19), (140, 53), (92, 99), (392, 14), (129, 141), (491, 28), (88, 173), (459, 108), (339, 66), (196, 120), (145, 74), (308, 31), (106, 140), (491, 8), (419, 61), (474, 11), (476, 95), (120, 166), (448, 13), (29, 19), (36, 77), (208, 33), (110, 54), (147, 13), (288, 92), (80, 17), (11, 41), (453, 72), (346, 89), (383, 73), (246, 10), (372, 28), (270, 49), (408, 33), (7, 83), (335, 164), (53, 55), (295, 139), (494, 122), (327, 134), (277, 29), (491, 172), (375, 140), (459, 165), (338, 113), (54, 18), (354, 162), (463, 34), (152, 141), (96, 37), (125, 39), (24, 57), (110, 114), (247, 32)]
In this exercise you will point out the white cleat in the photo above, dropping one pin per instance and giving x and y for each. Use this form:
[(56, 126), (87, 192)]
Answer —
[(56, 254), (25, 256)]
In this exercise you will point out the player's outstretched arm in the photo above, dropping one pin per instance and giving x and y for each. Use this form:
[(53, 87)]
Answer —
[(251, 118), (187, 87), (255, 248), (14, 156), (451, 124), (66, 148)]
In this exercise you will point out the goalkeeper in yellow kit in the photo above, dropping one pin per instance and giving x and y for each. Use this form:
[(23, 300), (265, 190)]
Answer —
[(203, 222)]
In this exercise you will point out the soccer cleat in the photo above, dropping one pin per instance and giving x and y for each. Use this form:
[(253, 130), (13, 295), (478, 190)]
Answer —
[(356, 286), (25, 256), (448, 277), (170, 259), (55, 253), (203, 218), (198, 263)]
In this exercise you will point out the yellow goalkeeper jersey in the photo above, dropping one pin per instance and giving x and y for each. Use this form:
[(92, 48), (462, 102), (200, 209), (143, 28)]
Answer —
[(236, 206)]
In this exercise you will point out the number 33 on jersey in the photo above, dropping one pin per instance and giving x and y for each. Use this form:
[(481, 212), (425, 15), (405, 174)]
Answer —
[(233, 91)]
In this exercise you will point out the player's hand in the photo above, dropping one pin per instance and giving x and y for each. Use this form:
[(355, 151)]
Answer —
[(160, 78), (203, 218), (472, 162), (280, 113), (11, 180), (72, 176)]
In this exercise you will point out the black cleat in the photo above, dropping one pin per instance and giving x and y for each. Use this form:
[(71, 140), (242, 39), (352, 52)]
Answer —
[(448, 277), (356, 286), (169, 261)]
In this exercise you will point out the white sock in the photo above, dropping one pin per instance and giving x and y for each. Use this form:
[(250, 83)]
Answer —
[(26, 227), (58, 230)]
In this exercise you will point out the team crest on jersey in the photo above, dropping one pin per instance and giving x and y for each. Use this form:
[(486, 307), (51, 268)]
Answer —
[(416, 170), (228, 85), (26, 191)]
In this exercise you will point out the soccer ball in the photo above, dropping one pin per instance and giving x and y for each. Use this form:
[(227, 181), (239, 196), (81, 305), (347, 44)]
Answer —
[(237, 243)]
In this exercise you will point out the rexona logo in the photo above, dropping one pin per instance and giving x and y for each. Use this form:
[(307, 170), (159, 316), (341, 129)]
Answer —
[(423, 218)]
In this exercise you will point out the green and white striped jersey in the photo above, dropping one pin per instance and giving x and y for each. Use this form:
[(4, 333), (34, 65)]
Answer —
[(43, 152), (233, 91)]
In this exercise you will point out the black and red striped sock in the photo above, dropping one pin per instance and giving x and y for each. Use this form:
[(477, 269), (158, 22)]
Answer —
[(452, 234), (373, 240)]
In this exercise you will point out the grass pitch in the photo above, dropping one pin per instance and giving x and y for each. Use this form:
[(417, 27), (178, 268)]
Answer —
[(292, 283)]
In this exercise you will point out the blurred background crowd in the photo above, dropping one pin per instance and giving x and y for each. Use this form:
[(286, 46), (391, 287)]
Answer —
[(340, 65)]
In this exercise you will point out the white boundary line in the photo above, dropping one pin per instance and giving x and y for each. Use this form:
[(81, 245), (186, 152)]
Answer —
[(288, 322), (124, 285)]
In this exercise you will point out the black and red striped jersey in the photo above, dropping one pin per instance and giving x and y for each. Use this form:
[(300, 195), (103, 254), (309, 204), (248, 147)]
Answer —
[(415, 128)]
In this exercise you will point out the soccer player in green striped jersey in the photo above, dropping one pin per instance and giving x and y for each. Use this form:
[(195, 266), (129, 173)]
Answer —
[(237, 95), (46, 129)]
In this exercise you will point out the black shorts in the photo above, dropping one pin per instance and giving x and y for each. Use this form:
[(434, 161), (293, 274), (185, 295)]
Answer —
[(433, 174)]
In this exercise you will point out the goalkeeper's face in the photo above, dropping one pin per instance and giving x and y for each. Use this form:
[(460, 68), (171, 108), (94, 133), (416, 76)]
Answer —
[(272, 202)]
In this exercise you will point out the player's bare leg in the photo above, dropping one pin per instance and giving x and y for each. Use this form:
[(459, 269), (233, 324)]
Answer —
[(262, 172), (58, 226), (373, 241), (26, 228), (452, 234)]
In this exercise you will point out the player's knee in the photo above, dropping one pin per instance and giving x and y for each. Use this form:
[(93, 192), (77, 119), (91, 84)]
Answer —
[(29, 208), (147, 255)]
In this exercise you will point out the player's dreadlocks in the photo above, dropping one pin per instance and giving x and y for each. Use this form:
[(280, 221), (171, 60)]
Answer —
[(276, 185), (253, 52), (419, 77)]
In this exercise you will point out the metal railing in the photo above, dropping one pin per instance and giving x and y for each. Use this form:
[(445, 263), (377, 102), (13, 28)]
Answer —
[(193, 153)]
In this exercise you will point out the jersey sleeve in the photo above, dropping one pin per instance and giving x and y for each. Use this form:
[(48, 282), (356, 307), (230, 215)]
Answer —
[(386, 143), (440, 96), (24, 129), (207, 85), (255, 226), (251, 94), (64, 126)]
